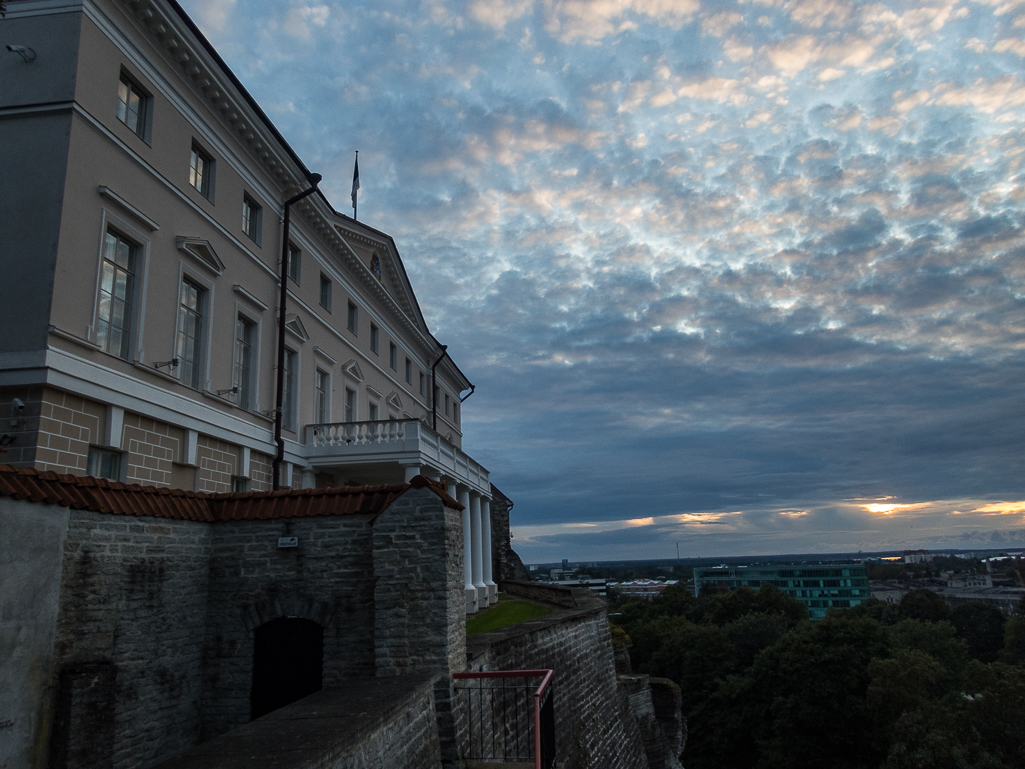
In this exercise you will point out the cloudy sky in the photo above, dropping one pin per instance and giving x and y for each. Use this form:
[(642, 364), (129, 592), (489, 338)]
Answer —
[(747, 277)]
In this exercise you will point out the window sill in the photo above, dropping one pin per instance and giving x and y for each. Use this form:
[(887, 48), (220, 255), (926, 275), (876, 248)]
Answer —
[(159, 373), (76, 339)]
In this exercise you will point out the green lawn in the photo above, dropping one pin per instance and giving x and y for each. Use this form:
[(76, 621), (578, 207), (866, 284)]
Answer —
[(506, 612)]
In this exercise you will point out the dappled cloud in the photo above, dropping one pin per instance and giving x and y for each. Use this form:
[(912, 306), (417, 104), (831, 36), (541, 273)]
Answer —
[(745, 273)]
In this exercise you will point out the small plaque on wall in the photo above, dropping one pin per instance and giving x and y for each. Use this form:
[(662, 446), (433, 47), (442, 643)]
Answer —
[(288, 541)]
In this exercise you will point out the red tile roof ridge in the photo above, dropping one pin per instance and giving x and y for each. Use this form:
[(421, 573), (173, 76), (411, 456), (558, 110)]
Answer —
[(83, 492)]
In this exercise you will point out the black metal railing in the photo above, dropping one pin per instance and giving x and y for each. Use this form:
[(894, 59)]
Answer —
[(509, 719)]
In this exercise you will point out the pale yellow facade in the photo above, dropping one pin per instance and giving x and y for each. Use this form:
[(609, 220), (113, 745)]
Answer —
[(156, 410)]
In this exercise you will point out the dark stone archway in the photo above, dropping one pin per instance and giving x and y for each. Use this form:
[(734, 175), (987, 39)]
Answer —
[(288, 663)]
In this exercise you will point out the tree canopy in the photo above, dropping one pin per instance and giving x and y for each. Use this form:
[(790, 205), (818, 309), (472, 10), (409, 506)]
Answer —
[(875, 687)]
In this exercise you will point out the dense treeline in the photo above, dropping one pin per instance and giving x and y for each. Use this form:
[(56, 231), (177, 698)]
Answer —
[(913, 686), (1007, 568)]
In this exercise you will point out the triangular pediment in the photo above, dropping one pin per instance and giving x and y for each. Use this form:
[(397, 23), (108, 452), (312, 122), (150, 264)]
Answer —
[(201, 251), (381, 266), (394, 401), (296, 328), (352, 369)]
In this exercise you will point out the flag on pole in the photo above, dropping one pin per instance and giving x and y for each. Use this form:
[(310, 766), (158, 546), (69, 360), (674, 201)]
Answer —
[(355, 181)]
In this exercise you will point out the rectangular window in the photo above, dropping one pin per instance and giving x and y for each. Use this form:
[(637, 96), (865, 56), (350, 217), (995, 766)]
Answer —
[(374, 412), (353, 321), (242, 366), (239, 485), (189, 346), (393, 356), (104, 464), (446, 404), (409, 371), (294, 263), (423, 384), (350, 405), (113, 327), (375, 338), (325, 293), (252, 219), (323, 399), (201, 171), (132, 105), (455, 412), (288, 391)]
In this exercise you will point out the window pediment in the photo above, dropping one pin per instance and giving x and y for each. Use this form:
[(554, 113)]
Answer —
[(352, 369), (394, 401), (296, 328), (201, 251)]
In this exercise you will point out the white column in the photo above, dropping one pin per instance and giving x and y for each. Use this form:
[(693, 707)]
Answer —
[(485, 528), (478, 560), (469, 589), (411, 472)]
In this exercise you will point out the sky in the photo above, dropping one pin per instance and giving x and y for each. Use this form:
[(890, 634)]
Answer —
[(746, 278)]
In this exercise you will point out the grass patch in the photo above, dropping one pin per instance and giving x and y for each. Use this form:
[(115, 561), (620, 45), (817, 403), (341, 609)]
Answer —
[(503, 614)]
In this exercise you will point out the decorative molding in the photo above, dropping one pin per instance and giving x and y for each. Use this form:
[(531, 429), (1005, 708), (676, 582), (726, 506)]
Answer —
[(201, 251), (296, 328), (394, 401), (320, 351), (249, 297), (352, 369), (108, 193)]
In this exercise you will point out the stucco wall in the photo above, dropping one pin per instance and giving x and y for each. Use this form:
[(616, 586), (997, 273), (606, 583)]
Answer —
[(31, 551)]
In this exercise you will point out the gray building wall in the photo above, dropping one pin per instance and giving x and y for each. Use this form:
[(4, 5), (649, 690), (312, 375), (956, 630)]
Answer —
[(35, 128), (31, 554)]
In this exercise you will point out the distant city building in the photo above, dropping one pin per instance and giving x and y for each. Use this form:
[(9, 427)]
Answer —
[(917, 556), (641, 588), (819, 587), (596, 585)]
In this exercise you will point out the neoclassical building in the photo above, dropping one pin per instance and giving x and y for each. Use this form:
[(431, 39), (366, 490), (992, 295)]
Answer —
[(141, 245)]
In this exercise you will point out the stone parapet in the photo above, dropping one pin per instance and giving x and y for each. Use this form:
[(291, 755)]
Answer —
[(363, 723), (539, 591), (595, 723)]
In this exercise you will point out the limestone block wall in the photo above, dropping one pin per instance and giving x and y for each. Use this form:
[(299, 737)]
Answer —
[(128, 645), (21, 453), (261, 472), (153, 447), (595, 727), (328, 578), (420, 614), (506, 564), (31, 554), (218, 462)]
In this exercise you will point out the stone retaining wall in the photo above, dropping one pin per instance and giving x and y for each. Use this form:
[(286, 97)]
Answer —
[(595, 727), (152, 644), (368, 723), (128, 648)]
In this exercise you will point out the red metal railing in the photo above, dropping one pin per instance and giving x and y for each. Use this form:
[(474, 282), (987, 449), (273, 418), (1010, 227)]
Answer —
[(497, 723)]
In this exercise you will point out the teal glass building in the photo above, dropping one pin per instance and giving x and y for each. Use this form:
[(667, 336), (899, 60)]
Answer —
[(819, 587)]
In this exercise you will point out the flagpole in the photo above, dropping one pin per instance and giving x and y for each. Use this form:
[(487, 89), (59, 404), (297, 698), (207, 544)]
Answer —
[(355, 187)]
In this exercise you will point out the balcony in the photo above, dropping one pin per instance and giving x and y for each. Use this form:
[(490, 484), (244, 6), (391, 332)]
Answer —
[(385, 451)]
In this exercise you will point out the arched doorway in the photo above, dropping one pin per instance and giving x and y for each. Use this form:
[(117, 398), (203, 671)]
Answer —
[(288, 663)]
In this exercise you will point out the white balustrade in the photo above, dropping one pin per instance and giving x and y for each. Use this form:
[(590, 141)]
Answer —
[(349, 440)]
